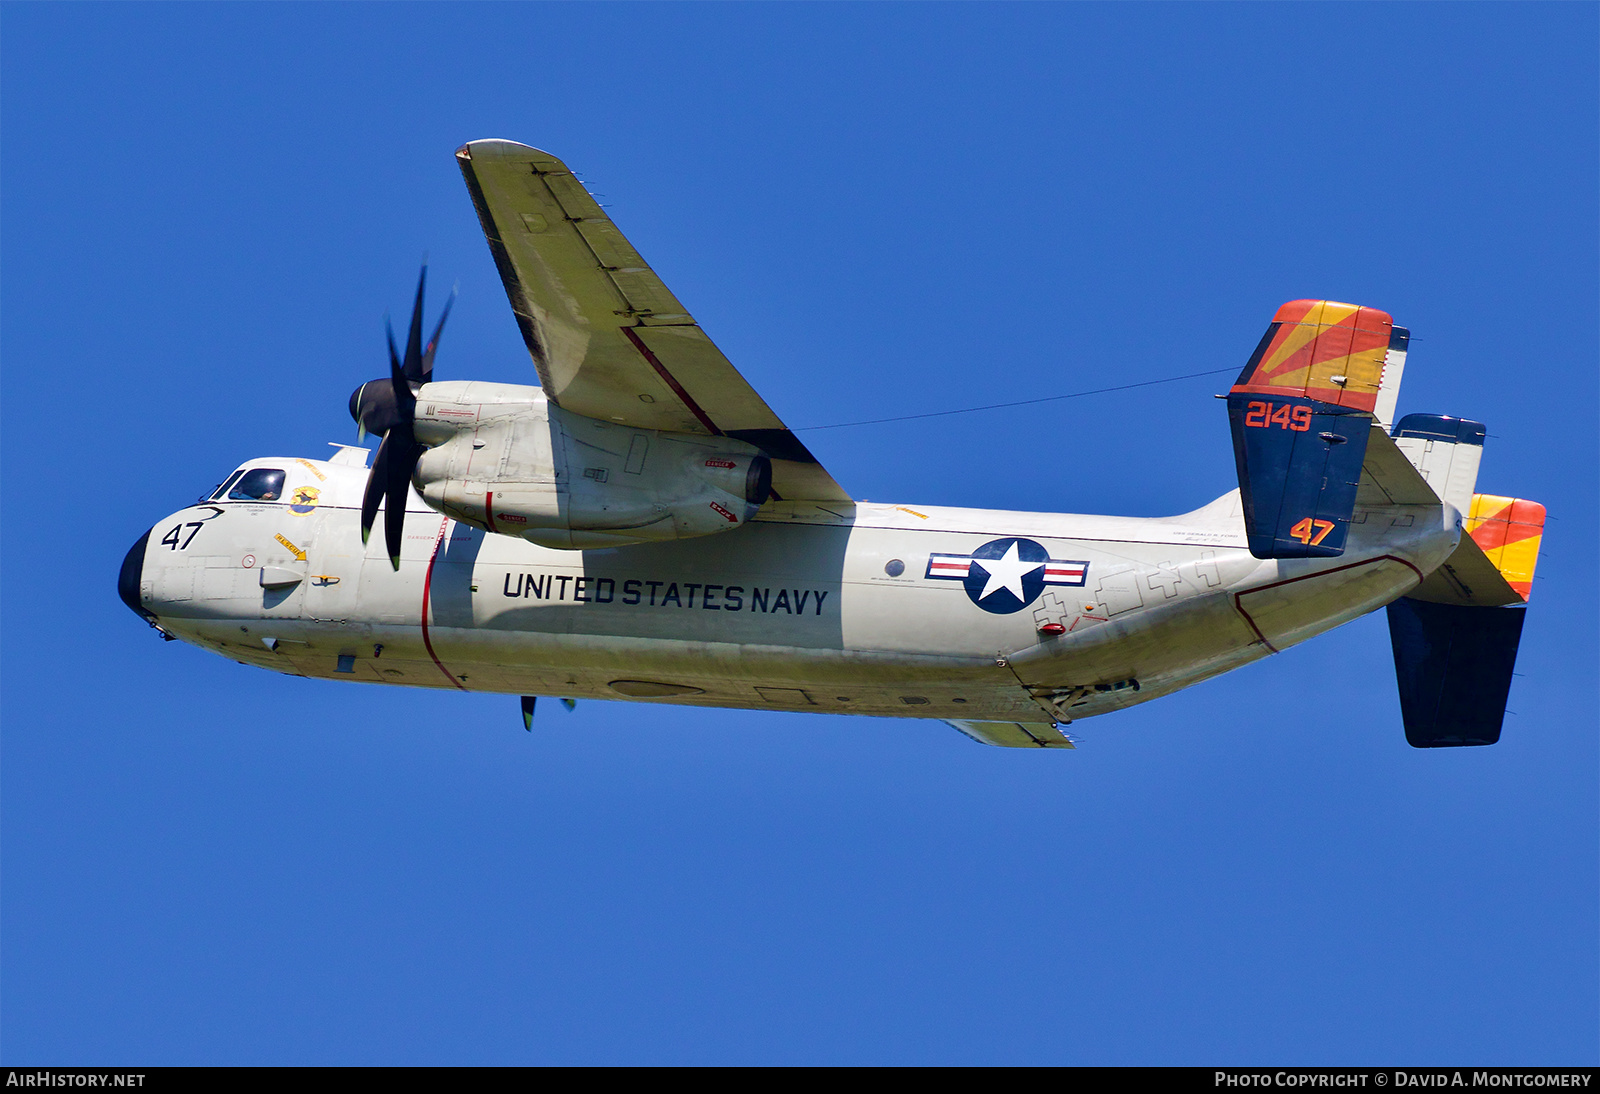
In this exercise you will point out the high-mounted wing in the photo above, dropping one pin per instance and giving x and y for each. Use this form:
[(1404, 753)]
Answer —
[(610, 340)]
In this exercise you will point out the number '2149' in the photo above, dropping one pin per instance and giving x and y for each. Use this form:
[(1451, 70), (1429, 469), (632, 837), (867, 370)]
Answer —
[(1284, 416)]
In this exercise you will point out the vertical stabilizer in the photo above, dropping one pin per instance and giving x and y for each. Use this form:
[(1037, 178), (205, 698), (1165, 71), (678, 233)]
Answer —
[(1453, 664), (1447, 451), (1509, 530), (1455, 637), (1394, 368), (1300, 414)]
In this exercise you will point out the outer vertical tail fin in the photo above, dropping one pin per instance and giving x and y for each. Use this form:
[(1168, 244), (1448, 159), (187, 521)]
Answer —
[(1456, 636), (1300, 413), (1509, 531)]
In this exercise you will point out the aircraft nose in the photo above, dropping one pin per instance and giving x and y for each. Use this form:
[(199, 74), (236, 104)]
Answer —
[(128, 580)]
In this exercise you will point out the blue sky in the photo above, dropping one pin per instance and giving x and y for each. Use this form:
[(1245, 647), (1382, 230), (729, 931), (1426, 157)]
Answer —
[(885, 208)]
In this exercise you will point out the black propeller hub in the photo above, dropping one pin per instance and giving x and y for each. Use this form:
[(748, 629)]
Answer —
[(374, 407)]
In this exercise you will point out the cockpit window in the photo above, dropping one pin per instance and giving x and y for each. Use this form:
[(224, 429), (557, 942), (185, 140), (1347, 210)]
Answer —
[(222, 490), (258, 484)]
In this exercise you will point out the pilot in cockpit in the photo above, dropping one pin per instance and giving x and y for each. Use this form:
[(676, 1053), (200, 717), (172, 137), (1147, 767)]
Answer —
[(253, 484)]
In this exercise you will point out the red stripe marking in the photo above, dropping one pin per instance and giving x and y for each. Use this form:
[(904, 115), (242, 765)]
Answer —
[(1259, 636), (1238, 602), (677, 388), (427, 594), (1526, 512), (1491, 534), (488, 510)]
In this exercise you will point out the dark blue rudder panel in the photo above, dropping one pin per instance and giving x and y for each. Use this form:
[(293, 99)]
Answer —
[(1299, 463), (1453, 664)]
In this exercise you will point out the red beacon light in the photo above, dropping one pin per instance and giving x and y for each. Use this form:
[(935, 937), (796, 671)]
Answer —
[(1051, 630)]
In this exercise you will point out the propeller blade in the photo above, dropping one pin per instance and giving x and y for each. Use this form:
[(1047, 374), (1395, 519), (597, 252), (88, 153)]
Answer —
[(570, 704), (433, 343), (527, 711), (374, 492), (412, 366), (394, 356), (405, 402), (397, 485)]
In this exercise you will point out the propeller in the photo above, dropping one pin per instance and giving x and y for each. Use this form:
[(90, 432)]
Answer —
[(388, 407)]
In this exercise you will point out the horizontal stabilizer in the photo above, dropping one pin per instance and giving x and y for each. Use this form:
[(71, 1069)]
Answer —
[(1388, 477), (1013, 734), (1467, 578), (1453, 664), (1300, 413)]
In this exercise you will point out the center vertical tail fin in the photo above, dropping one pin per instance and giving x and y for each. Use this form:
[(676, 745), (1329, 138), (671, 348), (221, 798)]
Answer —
[(1447, 451)]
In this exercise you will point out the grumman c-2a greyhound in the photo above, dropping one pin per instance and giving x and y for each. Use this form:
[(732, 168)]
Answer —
[(642, 526)]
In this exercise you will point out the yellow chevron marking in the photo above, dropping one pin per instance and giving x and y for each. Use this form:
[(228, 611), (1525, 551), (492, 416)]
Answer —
[(1293, 342), (311, 467)]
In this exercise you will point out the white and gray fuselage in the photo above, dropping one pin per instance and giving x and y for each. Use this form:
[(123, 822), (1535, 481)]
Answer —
[(902, 610)]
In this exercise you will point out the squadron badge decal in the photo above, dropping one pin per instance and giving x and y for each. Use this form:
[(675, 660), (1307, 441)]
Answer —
[(304, 500), (1006, 575)]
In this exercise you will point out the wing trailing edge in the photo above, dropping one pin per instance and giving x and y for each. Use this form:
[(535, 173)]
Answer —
[(608, 338)]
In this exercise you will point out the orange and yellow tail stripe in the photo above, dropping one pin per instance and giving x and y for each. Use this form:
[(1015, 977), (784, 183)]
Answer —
[(1509, 531), (1321, 349)]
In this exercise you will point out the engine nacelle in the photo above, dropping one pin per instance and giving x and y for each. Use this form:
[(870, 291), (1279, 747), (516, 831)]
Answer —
[(503, 458)]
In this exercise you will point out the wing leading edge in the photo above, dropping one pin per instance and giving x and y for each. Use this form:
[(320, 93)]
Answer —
[(608, 338)]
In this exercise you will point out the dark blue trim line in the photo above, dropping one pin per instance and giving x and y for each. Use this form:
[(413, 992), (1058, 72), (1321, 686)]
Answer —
[(1441, 427), (1255, 358)]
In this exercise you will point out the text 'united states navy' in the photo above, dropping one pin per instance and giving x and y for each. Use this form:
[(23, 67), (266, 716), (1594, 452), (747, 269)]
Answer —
[(664, 594)]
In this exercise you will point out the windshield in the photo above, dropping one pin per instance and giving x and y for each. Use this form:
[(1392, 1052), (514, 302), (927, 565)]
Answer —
[(223, 488), (258, 484)]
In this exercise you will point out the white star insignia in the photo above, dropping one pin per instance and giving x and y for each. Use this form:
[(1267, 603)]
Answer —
[(1006, 572)]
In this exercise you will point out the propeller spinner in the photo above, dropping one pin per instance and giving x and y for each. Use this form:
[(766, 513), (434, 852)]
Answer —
[(388, 407)]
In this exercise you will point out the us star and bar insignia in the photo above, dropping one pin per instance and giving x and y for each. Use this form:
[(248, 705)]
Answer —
[(1006, 575)]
